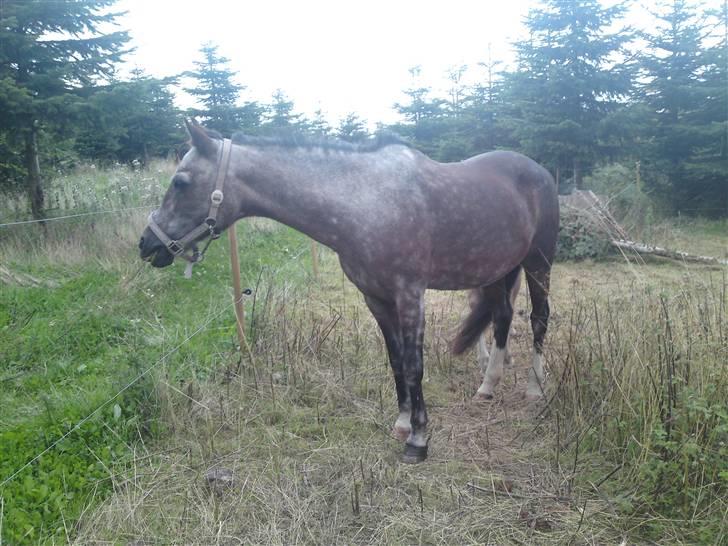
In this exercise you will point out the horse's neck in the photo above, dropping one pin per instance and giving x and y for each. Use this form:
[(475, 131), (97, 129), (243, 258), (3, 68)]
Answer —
[(315, 197)]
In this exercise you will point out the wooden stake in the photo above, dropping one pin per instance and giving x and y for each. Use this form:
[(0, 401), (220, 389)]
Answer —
[(237, 290)]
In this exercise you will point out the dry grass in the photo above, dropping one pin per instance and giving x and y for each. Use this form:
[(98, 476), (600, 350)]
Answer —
[(304, 427), (99, 241), (304, 430)]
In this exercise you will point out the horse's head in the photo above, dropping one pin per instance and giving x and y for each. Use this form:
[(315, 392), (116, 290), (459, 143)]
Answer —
[(193, 206)]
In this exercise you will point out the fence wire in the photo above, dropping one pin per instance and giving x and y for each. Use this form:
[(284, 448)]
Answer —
[(79, 215)]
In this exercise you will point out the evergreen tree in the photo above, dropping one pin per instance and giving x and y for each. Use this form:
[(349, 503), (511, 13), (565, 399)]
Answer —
[(419, 108), (457, 89), (129, 121), (352, 129), (482, 109), (218, 94), (566, 82), (474, 125), (281, 114), (422, 116), (686, 91), (48, 52), (318, 126)]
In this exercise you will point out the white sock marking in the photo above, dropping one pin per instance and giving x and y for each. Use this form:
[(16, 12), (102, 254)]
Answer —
[(483, 354), (403, 421), (536, 377), (494, 372), (418, 440)]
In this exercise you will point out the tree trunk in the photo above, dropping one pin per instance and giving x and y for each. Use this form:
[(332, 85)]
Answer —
[(34, 182), (577, 176), (642, 248)]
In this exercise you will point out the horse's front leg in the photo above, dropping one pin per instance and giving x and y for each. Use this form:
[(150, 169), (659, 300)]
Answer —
[(411, 313), (385, 314)]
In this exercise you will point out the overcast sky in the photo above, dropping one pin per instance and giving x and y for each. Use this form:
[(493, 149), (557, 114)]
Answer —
[(337, 55)]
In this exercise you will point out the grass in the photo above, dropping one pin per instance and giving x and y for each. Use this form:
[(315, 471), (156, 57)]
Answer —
[(693, 235), (80, 321), (300, 424)]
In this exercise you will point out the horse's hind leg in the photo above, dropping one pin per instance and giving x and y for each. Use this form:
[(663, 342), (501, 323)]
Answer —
[(538, 280), (483, 355), (499, 297)]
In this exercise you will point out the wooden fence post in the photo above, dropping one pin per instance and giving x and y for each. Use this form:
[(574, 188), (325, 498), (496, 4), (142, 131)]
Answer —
[(237, 290)]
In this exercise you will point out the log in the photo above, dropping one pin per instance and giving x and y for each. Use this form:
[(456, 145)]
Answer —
[(642, 248)]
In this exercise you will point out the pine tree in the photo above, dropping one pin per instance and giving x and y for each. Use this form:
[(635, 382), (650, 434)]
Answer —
[(128, 121), (48, 52), (566, 82), (218, 93), (686, 93), (352, 129), (281, 114), (419, 108), (318, 126), (422, 116), (478, 126)]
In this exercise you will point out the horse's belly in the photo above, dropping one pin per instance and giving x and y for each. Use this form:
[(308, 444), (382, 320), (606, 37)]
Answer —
[(457, 269), (461, 279)]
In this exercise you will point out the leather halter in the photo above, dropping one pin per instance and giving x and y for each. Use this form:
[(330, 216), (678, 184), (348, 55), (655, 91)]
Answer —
[(178, 246)]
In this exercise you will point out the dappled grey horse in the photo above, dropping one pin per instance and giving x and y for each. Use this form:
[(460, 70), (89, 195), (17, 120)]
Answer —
[(399, 222)]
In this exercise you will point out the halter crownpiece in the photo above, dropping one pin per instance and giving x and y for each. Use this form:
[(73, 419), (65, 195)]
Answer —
[(177, 247)]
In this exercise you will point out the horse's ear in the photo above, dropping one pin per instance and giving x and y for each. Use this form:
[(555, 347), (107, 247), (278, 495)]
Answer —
[(200, 140)]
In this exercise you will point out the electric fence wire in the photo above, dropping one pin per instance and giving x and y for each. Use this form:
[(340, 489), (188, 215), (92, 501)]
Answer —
[(169, 353), (91, 213)]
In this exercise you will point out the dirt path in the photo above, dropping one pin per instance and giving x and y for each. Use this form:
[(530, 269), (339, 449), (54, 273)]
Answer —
[(509, 438)]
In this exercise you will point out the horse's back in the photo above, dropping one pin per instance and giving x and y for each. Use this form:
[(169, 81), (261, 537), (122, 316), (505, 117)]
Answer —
[(489, 212)]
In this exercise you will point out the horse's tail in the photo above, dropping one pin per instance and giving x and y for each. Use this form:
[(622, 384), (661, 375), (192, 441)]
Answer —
[(481, 315), (484, 301)]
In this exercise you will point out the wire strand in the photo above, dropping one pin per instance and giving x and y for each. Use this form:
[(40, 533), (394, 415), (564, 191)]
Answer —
[(140, 376), (54, 218), (121, 391)]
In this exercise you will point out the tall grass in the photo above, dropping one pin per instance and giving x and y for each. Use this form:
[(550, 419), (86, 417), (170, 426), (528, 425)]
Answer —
[(641, 404), (630, 444), (81, 319), (88, 188)]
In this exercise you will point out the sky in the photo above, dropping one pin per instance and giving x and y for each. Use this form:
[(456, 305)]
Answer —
[(338, 56)]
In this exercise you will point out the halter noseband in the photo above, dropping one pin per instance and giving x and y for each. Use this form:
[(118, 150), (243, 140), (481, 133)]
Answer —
[(178, 246)]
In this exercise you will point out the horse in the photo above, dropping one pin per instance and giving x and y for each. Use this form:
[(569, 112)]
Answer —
[(400, 223)]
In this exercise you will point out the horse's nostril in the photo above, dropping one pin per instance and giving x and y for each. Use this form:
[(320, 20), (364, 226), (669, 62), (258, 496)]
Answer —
[(141, 243)]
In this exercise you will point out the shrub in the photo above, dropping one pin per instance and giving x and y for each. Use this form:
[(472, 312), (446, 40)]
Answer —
[(580, 236), (627, 199)]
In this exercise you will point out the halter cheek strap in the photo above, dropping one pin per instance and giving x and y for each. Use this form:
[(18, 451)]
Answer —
[(178, 246)]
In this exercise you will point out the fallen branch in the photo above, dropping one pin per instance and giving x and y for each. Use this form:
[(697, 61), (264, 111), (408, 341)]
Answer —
[(642, 248)]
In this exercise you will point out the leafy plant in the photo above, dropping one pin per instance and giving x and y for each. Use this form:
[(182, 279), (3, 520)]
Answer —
[(580, 237)]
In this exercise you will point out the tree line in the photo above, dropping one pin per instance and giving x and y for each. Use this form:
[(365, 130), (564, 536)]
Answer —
[(586, 91)]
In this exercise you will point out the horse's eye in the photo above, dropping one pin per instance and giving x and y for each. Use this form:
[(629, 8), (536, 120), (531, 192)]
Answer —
[(181, 181)]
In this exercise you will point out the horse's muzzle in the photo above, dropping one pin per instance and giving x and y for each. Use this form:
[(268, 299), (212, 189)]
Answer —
[(152, 250)]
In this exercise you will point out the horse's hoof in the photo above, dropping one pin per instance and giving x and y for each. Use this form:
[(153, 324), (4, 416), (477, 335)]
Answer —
[(482, 396), (400, 433), (414, 454)]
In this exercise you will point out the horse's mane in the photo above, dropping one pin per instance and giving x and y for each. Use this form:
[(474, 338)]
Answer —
[(300, 140)]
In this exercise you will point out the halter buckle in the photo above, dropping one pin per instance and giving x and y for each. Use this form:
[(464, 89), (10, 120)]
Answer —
[(216, 197), (175, 248)]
